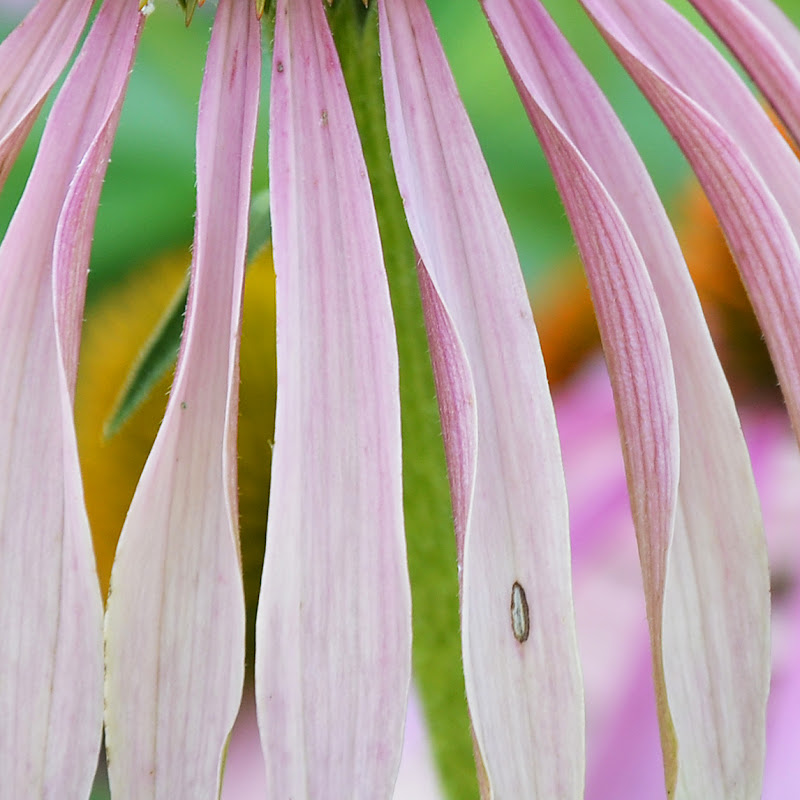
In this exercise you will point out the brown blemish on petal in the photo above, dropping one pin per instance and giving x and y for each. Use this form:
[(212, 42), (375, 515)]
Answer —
[(520, 616)]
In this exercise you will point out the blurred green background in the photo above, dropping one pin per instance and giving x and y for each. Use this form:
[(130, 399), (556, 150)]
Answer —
[(148, 198)]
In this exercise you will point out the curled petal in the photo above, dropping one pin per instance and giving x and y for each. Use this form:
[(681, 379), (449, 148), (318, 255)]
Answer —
[(746, 168), (767, 44), (31, 59), (509, 500), (50, 605), (333, 638), (774, 19), (711, 699), (633, 332), (175, 619)]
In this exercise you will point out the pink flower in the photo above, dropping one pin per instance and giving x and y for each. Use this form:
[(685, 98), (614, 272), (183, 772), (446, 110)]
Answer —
[(333, 652)]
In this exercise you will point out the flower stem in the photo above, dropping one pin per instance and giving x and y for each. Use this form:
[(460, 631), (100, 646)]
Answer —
[(428, 516)]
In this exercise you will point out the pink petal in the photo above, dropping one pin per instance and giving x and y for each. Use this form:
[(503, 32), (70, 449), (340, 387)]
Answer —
[(31, 59), (509, 499), (767, 44), (333, 639), (716, 593), (634, 337), (746, 168), (175, 619), (775, 20), (50, 605)]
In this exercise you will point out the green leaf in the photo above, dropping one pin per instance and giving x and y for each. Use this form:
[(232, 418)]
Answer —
[(159, 353), (429, 527), (157, 356), (258, 224)]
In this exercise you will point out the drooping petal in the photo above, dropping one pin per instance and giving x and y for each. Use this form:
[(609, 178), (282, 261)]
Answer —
[(175, 619), (632, 329), (333, 638), (51, 663), (767, 44), (716, 590), (509, 500), (746, 168), (778, 24), (31, 59)]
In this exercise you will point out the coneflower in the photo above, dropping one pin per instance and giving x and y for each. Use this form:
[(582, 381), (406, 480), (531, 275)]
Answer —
[(164, 667)]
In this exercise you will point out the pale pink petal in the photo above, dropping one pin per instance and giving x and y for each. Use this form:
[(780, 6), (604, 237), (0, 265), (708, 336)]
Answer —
[(51, 668), (175, 619), (522, 678), (333, 638), (634, 337), (31, 59), (746, 168), (779, 25), (768, 45), (716, 591)]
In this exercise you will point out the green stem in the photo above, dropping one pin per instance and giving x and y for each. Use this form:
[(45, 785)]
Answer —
[(428, 515)]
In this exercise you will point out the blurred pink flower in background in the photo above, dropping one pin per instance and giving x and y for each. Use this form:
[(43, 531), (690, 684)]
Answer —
[(623, 751)]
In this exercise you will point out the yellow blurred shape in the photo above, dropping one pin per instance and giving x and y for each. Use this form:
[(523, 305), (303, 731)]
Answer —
[(117, 328)]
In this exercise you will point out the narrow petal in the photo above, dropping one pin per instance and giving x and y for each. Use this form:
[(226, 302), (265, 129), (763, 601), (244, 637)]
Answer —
[(775, 20), (333, 638), (175, 619), (768, 45), (746, 168), (632, 329), (31, 59), (51, 668), (716, 589), (509, 499)]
